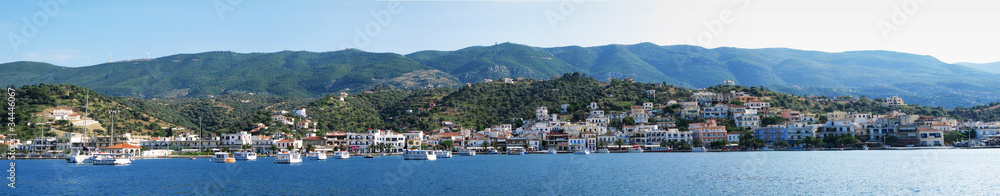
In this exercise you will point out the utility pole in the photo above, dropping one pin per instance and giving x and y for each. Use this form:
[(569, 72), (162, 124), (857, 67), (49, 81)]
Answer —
[(112, 113), (201, 140)]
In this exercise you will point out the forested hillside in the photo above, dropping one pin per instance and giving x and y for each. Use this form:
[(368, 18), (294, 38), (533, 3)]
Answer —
[(475, 106), (917, 79)]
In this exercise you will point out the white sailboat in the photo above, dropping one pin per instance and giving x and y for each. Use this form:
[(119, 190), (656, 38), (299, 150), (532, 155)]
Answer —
[(82, 154)]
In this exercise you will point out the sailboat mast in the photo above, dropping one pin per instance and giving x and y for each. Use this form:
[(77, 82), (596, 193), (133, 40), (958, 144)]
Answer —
[(86, 114)]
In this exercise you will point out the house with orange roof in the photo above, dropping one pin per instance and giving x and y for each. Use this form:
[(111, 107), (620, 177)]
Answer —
[(125, 149)]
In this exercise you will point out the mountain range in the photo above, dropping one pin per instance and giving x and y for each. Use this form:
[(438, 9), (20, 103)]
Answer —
[(993, 67), (917, 79)]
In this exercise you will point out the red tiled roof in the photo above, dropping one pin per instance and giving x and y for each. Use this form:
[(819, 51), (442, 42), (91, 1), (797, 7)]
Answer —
[(286, 140), (449, 134), (313, 138), (124, 146)]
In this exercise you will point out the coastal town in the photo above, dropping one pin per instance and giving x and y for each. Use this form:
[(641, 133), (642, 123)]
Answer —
[(706, 121)]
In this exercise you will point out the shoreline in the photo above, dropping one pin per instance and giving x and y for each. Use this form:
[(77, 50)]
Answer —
[(570, 152)]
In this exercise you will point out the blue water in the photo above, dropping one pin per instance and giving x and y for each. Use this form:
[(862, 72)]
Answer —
[(919, 172)]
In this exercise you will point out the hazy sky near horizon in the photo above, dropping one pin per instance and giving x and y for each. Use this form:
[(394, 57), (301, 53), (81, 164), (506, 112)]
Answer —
[(67, 33)]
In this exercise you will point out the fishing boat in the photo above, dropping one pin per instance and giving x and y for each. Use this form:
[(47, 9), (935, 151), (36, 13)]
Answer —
[(419, 155), (865, 147), (552, 151), (493, 151), (223, 157), (443, 154), (287, 158), (368, 156), (635, 149), (346, 155), (111, 159), (467, 152), (245, 156), (603, 150), (699, 149), (581, 151), (660, 149), (515, 151), (314, 155), (78, 155)]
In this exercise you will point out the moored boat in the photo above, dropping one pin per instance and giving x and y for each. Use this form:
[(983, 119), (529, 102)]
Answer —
[(78, 155), (603, 150), (443, 154), (516, 151), (222, 157), (287, 158), (553, 151), (581, 151), (635, 149), (346, 155), (245, 156), (699, 149), (419, 155), (493, 151), (367, 156), (315, 155), (110, 159), (660, 149), (467, 152)]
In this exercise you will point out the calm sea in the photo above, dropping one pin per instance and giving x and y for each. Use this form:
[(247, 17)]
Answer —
[(901, 172)]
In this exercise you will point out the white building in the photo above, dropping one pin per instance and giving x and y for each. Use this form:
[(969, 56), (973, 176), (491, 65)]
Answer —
[(300, 112)]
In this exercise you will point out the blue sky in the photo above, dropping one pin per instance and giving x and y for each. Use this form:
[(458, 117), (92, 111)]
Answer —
[(78, 30)]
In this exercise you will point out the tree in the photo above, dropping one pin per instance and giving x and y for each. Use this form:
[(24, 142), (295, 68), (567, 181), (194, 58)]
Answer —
[(718, 144), (619, 142), (847, 140), (273, 148), (892, 140), (486, 145), (746, 139), (245, 146), (698, 143), (310, 147), (952, 136), (771, 120), (447, 144), (757, 143), (602, 144), (663, 143), (683, 144), (781, 144), (291, 147), (628, 121)]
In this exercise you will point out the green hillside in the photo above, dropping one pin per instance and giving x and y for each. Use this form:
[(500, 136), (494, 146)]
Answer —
[(917, 79)]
